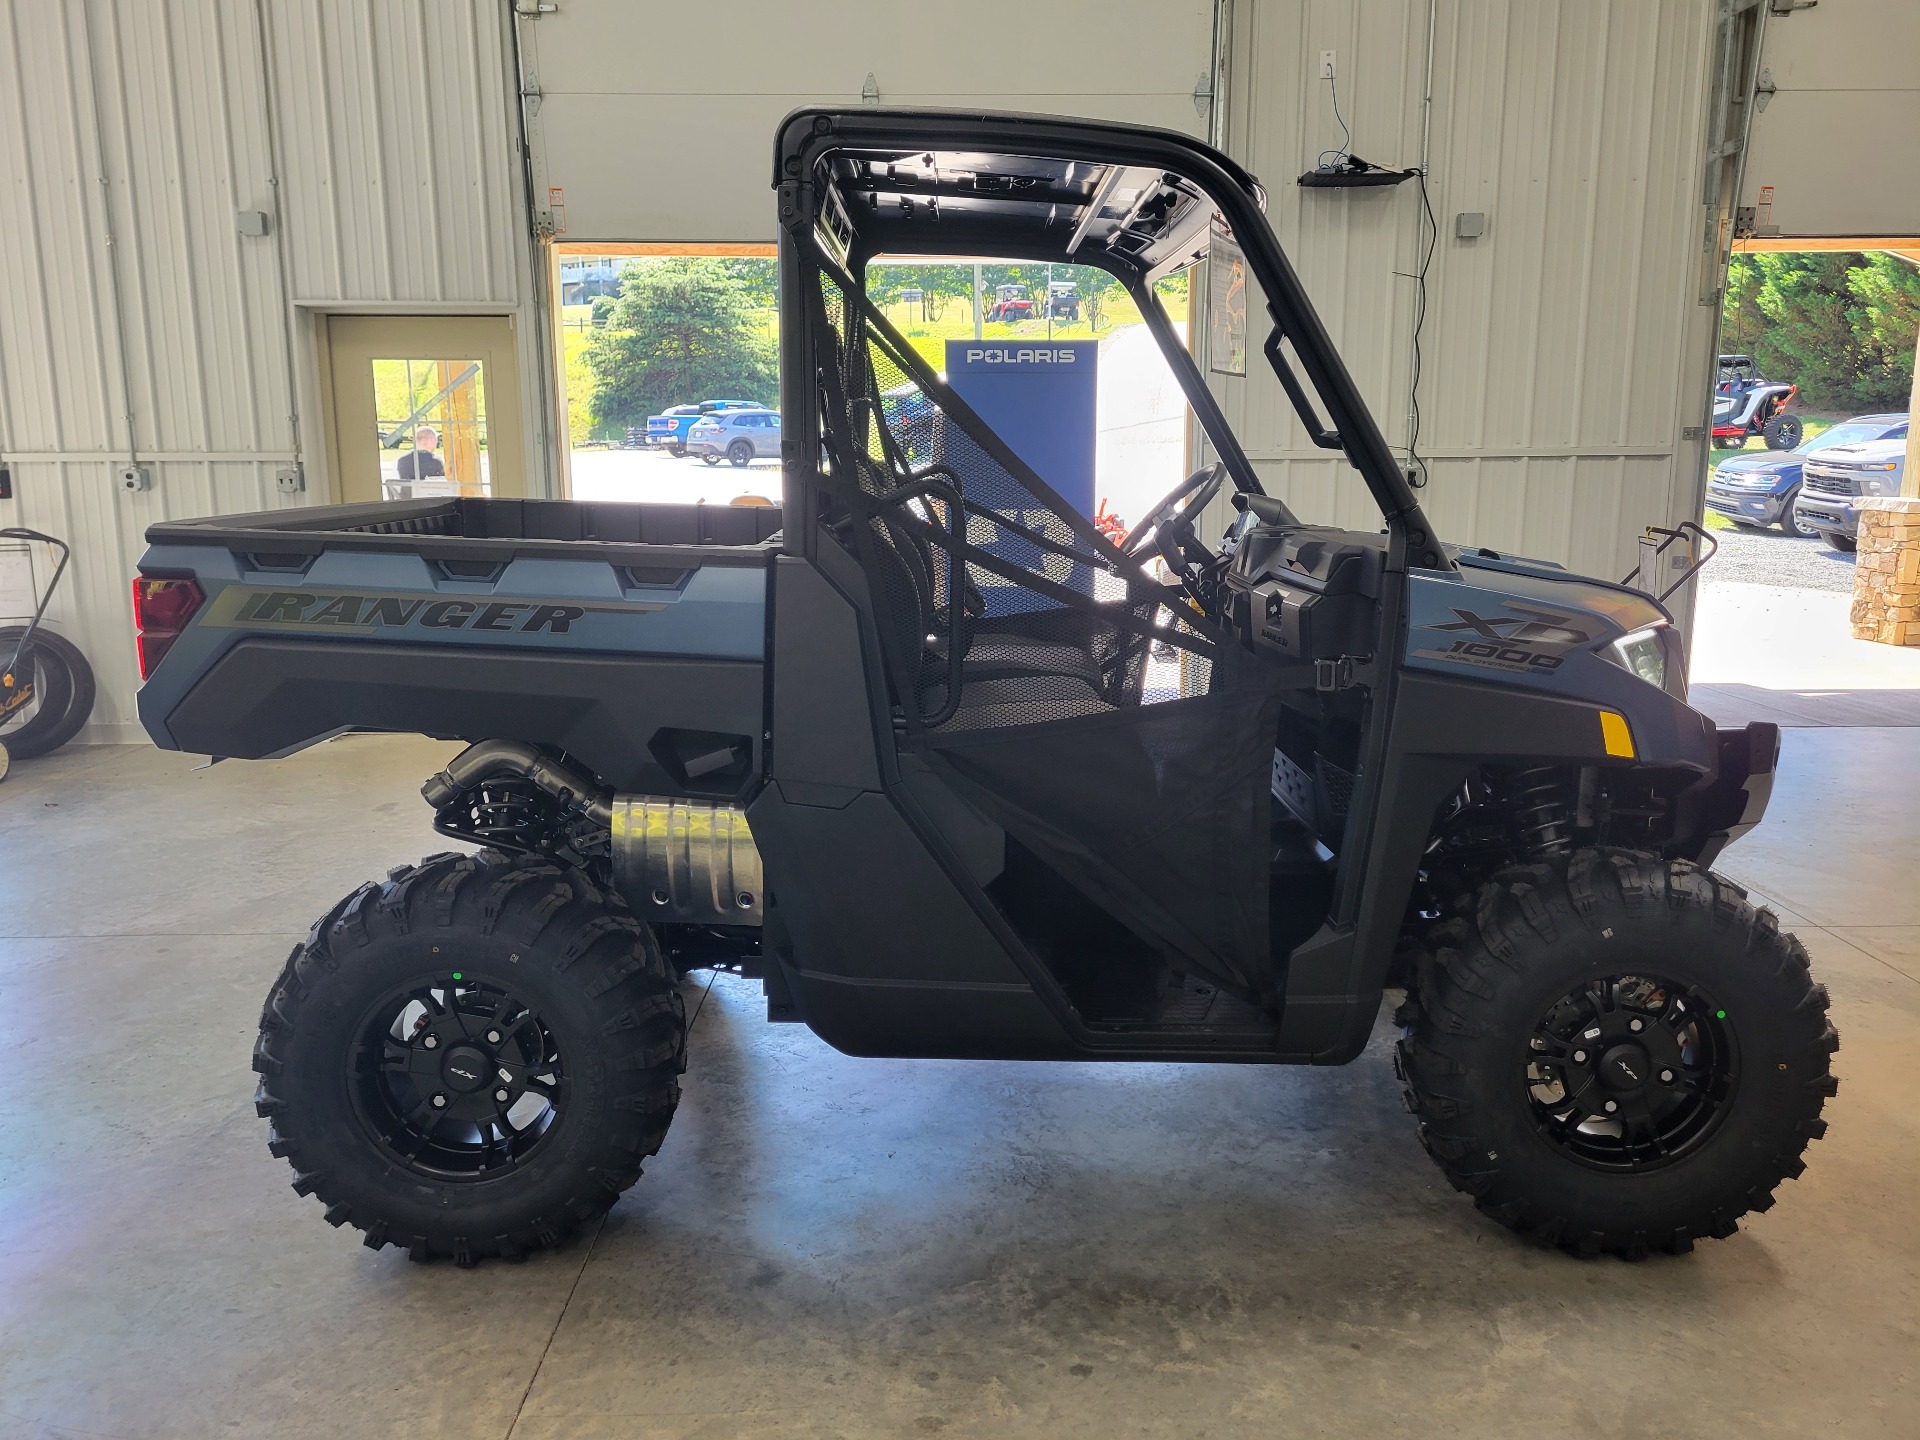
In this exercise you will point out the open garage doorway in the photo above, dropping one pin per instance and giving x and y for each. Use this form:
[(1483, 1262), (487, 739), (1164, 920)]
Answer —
[(669, 353), (654, 340), (1811, 418)]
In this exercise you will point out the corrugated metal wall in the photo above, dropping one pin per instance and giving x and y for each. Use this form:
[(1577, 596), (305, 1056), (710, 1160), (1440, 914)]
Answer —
[(394, 130), (149, 123), (1562, 350)]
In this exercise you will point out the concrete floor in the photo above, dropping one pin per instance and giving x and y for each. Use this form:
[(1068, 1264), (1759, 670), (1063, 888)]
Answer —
[(838, 1247)]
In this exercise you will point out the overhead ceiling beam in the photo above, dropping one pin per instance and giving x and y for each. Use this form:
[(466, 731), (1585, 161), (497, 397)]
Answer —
[(1900, 244)]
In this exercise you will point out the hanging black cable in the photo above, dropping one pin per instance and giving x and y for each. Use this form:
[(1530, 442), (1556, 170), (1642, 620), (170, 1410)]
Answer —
[(1415, 465)]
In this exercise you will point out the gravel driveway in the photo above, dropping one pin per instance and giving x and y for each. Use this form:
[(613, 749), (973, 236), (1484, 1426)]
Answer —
[(1766, 557)]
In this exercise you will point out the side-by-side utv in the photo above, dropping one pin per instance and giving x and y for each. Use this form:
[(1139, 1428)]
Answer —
[(953, 774)]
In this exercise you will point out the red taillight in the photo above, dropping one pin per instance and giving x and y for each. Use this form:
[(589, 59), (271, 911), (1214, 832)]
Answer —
[(161, 610)]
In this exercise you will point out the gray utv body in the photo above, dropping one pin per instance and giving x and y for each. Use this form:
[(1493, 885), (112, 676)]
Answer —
[(903, 748)]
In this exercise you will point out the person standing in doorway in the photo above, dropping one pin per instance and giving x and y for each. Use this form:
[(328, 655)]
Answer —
[(420, 463)]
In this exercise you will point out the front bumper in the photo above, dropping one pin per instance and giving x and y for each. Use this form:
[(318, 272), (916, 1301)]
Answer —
[(1754, 507), (1832, 514), (1732, 801)]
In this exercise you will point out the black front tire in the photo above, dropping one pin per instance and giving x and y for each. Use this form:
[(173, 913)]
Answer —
[(65, 689), (1791, 523), (1783, 432), (1468, 1052), (740, 453), (468, 928), (1840, 540)]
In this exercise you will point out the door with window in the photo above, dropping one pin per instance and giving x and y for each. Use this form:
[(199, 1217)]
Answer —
[(424, 406)]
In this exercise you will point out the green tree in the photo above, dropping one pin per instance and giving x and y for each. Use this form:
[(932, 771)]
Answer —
[(940, 283), (683, 329), (1840, 325), (1888, 289)]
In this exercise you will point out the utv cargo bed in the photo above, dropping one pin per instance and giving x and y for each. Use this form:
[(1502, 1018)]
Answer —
[(466, 618), (448, 528)]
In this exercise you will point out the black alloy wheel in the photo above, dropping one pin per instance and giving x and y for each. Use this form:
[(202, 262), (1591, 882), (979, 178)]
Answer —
[(740, 452), (457, 1078), (1630, 1072)]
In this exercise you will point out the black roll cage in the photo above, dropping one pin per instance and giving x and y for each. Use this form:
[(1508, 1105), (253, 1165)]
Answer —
[(807, 138)]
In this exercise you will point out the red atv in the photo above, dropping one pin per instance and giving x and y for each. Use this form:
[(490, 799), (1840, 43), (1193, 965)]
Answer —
[(1746, 403), (1010, 303)]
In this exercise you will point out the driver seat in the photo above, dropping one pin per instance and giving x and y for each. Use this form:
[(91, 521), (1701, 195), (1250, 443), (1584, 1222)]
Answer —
[(1001, 653)]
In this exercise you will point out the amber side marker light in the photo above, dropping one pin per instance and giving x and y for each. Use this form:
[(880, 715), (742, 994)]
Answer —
[(1615, 735), (162, 609)]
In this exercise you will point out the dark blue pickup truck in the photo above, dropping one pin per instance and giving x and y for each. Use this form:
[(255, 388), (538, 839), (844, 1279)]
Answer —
[(670, 427)]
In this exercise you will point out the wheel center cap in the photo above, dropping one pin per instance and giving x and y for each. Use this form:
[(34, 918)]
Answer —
[(466, 1068), (1625, 1067)]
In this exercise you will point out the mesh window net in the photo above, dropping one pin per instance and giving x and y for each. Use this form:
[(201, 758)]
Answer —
[(1078, 701)]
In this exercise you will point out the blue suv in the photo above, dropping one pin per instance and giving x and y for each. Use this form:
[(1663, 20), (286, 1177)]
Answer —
[(1759, 490)]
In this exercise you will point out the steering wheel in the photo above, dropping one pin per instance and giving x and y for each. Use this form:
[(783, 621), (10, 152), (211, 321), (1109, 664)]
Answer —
[(1171, 521)]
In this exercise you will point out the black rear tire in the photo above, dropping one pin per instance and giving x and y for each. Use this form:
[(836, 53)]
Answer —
[(1470, 1054), (64, 684), (546, 987)]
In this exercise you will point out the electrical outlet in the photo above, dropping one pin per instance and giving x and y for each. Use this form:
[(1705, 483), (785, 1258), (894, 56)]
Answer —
[(135, 478), (290, 479), (1326, 64)]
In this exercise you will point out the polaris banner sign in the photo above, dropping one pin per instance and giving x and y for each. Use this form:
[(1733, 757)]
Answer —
[(1041, 397)]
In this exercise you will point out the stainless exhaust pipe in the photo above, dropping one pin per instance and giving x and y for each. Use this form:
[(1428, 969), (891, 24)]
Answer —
[(687, 861)]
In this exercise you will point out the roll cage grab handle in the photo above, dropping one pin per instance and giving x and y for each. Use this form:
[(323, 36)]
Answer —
[(1348, 427)]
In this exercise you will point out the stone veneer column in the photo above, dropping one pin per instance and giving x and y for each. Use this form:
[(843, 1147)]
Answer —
[(1886, 574)]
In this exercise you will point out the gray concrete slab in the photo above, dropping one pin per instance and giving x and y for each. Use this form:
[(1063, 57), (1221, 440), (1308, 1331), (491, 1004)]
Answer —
[(840, 1247), (1731, 706), (1841, 841)]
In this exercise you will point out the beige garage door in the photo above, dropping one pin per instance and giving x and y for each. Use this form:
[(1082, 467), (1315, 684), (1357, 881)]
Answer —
[(1835, 145), (655, 122)]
